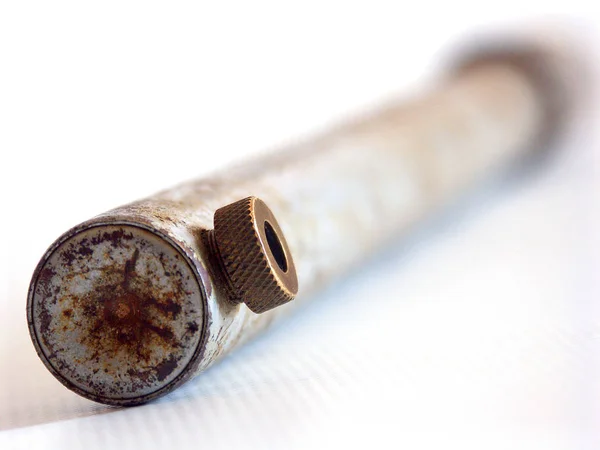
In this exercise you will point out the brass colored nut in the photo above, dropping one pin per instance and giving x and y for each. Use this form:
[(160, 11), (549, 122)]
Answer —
[(254, 255)]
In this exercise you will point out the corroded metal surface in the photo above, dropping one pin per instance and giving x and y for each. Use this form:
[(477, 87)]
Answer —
[(337, 198), (117, 311)]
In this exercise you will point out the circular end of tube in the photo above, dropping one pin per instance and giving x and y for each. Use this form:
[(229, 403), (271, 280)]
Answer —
[(116, 313)]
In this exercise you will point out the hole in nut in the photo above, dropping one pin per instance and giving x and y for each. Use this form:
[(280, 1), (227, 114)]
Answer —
[(276, 247)]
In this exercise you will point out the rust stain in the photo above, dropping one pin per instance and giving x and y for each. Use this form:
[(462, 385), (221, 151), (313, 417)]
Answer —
[(192, 327), (164, 369), (123, 316), (116, 311)]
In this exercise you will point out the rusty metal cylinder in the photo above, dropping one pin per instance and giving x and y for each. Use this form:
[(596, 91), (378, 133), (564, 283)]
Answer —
[(129, 305)]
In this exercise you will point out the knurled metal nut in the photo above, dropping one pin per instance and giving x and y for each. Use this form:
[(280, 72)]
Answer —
[(254, 255)]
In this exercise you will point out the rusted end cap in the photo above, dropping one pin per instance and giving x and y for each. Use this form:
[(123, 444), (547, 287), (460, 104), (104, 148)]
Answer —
[(255, 255), (116, 313)]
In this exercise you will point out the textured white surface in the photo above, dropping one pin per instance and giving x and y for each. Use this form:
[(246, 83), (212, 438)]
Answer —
[(480, 331)]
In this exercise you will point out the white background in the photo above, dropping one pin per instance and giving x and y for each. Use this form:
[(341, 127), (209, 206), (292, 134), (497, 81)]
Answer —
[(481, 331)]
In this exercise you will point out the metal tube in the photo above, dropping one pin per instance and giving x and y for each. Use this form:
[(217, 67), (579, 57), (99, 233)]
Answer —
[(132, 303)]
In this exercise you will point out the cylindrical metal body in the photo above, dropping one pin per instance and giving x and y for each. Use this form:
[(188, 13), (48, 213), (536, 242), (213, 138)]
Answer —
[(337, 198)]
